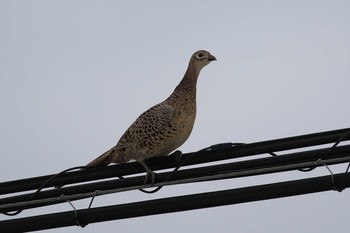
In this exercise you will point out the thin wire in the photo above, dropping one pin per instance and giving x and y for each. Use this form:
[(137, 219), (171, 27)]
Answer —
[(93, 198), (319, 161), (336, 144), (76, 217), (43, 186), (330, 151), (334, 186), (347, 169), (218, 146)]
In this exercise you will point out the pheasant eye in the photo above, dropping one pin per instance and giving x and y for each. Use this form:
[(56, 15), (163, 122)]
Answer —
[(200, 55)]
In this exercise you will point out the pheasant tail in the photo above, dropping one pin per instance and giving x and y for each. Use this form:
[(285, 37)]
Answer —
[(102, 160)]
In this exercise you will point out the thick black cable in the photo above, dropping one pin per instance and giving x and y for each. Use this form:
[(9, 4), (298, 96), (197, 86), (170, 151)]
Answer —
[(267, 162), (247, 164), (163, 163), (176, 204), (222, 146), (322, 137)]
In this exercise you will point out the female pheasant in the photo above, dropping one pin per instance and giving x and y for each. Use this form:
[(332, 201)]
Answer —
[(162, 128)]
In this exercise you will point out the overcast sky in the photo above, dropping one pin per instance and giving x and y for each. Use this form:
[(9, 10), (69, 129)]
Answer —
[(75, 74)]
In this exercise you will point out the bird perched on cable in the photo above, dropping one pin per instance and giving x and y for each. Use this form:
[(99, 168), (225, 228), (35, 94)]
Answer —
[(162, 128)]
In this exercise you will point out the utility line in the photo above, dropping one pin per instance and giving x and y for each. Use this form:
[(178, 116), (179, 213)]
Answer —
[(304, 160), (212, 154), (175, 204), (79, 190), (228, 175)]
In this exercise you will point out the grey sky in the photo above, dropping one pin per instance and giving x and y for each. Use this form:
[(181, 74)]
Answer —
[(75, 74)]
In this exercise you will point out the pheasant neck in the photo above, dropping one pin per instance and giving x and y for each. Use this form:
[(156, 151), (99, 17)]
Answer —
[(187, 86)]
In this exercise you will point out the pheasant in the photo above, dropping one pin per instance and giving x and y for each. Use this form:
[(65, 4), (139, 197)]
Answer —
[(162, 128)]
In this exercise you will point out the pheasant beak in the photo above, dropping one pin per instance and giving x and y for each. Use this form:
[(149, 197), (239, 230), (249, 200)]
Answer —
[(211, 58)]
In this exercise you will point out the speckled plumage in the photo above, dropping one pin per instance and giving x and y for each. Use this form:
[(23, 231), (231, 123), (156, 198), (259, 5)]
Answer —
[(165, 126)]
